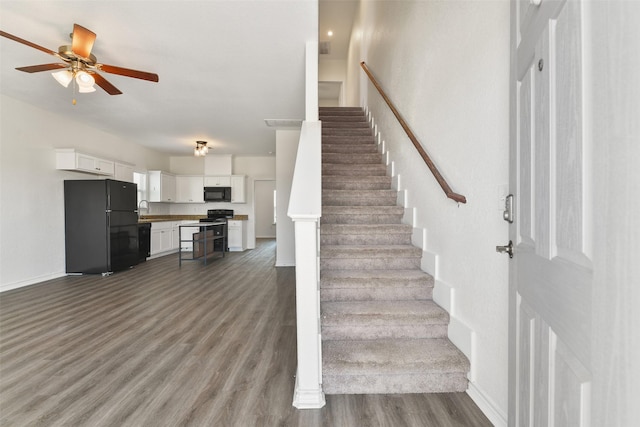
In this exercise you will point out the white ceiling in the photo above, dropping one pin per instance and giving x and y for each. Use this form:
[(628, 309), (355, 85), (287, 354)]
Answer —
[(224, 65)]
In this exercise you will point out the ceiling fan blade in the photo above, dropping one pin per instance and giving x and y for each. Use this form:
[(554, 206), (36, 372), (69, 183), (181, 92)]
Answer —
[(104, 84), (143, 75), (43, 67), (82, 41), (28, 43)]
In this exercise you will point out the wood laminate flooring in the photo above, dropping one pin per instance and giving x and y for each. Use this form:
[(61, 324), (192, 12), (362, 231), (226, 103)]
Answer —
[(162, 345)]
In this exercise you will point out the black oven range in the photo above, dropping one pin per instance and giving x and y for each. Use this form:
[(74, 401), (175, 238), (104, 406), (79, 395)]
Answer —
[(222, 215)]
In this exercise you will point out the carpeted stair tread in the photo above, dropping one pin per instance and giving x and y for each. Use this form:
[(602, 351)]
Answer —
[(331, 118), (377, 319), (342, 182), (343, 124), (349, 139), (365, 131), (361, 215), (349, 170), (348, 148), (393, 356), (360, 198), (427, 365), (346, 257), (353, 159), (374, 278), (369, 251), (365, 234), (341, 110), (376, 313), (375, 285), (359, 210), (365, 228)]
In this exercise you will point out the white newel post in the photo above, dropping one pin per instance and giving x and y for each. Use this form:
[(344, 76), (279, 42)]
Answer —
[(308, 389)]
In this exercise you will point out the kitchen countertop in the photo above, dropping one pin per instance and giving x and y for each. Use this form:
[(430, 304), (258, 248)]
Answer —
[(160, 218)]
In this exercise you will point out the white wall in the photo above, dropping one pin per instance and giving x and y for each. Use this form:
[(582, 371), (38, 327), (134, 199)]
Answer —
[(31, 189), (332, 70), (286, 150), (446, 67)]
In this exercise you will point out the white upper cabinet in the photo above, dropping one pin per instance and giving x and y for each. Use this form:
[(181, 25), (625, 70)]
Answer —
[(162, 187), (217, 181), (189, 189), (70, 159), (238, 188), (124, 172)]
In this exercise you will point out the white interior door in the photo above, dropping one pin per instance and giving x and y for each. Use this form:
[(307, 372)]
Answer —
[(264, 208), (551, 272)]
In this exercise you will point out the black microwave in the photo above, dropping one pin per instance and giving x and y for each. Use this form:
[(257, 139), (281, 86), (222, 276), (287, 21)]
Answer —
[(217, 194)]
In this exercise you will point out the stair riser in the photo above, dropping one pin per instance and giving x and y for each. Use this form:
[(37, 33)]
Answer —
[(349, 148), (340, 110), (347, 131), (327, 118), (389, 384), (349, 170), (356, 185), (352, 159), (349, 140), (353, 332), (378, 263), (341, 124), (365, 239), (331, 200), (390, 293), (360, 219)]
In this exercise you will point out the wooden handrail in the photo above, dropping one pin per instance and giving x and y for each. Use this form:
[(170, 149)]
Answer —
[(432, 167)]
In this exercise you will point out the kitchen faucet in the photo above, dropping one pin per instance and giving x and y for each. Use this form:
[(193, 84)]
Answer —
[(147, 208)]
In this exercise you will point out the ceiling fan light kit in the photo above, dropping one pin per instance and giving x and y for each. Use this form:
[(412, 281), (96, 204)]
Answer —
[(63, 77), (80, 63)]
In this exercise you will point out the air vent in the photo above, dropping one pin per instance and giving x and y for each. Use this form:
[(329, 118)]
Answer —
[(324, 48)]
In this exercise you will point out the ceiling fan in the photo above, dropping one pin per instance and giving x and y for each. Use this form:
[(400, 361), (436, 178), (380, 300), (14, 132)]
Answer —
[(80, 63)]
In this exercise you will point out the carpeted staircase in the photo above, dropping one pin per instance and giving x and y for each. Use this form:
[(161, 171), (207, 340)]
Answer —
[(381, 330)]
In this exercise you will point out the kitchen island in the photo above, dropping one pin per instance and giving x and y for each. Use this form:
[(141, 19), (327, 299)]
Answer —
[(200, 237)]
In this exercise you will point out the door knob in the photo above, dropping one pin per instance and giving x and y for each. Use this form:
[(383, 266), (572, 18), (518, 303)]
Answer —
[(508, 249)]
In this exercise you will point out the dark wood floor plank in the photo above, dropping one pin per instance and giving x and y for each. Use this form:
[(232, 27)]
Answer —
[(162, 345)]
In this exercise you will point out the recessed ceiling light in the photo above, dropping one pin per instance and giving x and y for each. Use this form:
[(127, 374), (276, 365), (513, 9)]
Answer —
[(329, 33)]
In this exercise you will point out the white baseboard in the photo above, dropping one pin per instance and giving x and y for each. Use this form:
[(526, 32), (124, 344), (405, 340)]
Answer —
[(285, 264), (488, 407), (32, 281)]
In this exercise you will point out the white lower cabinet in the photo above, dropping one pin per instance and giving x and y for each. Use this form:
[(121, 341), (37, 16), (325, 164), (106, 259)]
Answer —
[(164, 237), (237, 235)]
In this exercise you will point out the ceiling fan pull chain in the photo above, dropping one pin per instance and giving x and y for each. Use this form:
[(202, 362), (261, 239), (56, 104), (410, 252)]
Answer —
[(74, 92)]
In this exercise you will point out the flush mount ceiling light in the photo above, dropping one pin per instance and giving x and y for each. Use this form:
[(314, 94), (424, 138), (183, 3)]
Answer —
[(201, 149)]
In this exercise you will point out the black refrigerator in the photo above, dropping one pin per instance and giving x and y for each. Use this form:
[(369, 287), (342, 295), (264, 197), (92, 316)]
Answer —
[(101, 226)]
